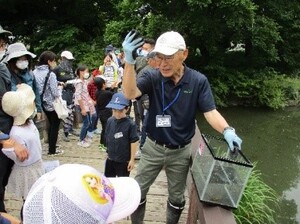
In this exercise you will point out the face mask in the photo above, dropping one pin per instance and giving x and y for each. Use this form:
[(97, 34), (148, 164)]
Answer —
[(142, 53), (22, 64), (86, 75)]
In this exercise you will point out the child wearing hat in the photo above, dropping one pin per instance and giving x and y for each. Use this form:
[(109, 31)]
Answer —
[(121, 139), (20, 105)]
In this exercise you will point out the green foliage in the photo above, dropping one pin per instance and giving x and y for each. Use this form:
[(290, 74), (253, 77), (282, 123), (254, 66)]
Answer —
[(257, 74), (257, 201), (272, 93)]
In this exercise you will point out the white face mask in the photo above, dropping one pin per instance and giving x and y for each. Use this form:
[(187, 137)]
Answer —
[(86, 75), (22, 64)]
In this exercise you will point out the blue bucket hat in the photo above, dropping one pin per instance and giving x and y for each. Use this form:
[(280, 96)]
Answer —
[(118, 102)]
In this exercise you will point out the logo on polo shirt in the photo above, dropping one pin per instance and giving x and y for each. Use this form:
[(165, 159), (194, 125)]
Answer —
[(187, 91)]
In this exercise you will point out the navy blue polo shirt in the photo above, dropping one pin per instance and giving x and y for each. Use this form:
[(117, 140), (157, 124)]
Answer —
[(119, 134), (195, 95)]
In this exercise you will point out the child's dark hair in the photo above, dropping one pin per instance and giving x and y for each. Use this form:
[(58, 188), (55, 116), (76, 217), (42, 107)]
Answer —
[(109, 55), (99, 82), (80, 68)]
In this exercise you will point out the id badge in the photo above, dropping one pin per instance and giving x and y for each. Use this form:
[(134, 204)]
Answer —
[(163, 121)]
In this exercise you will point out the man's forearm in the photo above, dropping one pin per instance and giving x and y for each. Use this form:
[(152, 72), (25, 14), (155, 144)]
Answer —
[(216, 120), (129, 82)]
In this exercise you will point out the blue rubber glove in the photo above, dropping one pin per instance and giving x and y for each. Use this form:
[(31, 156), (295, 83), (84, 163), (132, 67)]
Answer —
[(232, 139), (131, 43)]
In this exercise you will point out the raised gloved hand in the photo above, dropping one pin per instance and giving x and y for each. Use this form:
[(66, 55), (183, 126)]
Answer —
[(232, 139), (131, 43)]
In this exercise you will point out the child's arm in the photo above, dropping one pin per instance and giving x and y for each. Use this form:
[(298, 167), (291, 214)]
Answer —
[(19, 150), (133, 148), (7, 218)]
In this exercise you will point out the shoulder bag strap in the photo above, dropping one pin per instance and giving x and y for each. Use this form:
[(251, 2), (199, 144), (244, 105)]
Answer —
[(46, 80)]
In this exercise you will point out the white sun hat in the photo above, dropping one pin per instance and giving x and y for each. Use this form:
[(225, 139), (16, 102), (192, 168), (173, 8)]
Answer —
[(17, 50), (76, 193), (19, 104), (169, 43)]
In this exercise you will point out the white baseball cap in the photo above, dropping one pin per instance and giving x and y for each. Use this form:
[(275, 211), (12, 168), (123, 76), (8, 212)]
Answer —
[(76, 193), (169, 43), (67, 54)]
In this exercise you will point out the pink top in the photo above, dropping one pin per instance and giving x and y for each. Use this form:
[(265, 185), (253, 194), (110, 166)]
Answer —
[(81, 93)]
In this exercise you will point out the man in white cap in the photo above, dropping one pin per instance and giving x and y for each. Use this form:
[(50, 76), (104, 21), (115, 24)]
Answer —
[(176, 93)]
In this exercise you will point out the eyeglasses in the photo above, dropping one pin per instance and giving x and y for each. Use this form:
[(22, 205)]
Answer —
[(168, 58)]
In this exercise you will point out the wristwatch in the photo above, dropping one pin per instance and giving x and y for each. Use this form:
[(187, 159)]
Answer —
[(228, 128)]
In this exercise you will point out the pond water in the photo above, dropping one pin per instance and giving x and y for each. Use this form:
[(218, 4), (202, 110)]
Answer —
[(272, 139)]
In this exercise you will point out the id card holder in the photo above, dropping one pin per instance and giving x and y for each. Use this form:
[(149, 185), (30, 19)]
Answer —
[(163, 121)]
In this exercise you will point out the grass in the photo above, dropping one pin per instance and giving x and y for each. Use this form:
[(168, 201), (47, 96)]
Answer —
[(257, 200)]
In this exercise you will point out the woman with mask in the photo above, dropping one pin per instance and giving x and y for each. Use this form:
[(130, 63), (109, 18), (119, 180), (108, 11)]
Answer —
[(49, 90), (18, 61), (85, 105)]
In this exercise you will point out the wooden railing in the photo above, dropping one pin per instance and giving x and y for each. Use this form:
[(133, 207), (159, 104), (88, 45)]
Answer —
[(199, 212)]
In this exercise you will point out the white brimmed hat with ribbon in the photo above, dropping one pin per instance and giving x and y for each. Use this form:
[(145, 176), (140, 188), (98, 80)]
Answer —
[(76, 193), (19, 104)]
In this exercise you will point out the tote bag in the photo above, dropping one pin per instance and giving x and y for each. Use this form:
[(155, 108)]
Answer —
[(60, 107)]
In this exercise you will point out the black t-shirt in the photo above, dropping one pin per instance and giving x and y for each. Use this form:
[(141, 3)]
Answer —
[(119, 134), (102, 98)]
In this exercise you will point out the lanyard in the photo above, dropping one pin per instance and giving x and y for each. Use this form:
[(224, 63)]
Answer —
[(163, 98)]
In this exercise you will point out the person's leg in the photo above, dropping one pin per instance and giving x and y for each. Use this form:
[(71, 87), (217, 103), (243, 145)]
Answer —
[(104, 115), (90, 130), (143, 134), (176, 167), (136, 116), (54, 123), (109, 168), (5, 170), (84, 128), (95, 120), (140, 109), (121, 169), (151, 163)]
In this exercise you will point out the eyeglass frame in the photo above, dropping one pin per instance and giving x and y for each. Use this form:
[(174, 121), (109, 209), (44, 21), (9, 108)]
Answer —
[(167, 58)]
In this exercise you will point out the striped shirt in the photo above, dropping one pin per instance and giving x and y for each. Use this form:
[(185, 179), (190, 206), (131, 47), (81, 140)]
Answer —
[(81, 93)]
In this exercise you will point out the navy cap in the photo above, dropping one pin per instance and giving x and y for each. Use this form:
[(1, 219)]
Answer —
[(118, 102)]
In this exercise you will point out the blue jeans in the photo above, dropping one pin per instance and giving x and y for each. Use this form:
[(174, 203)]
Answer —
[(87, 122)]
